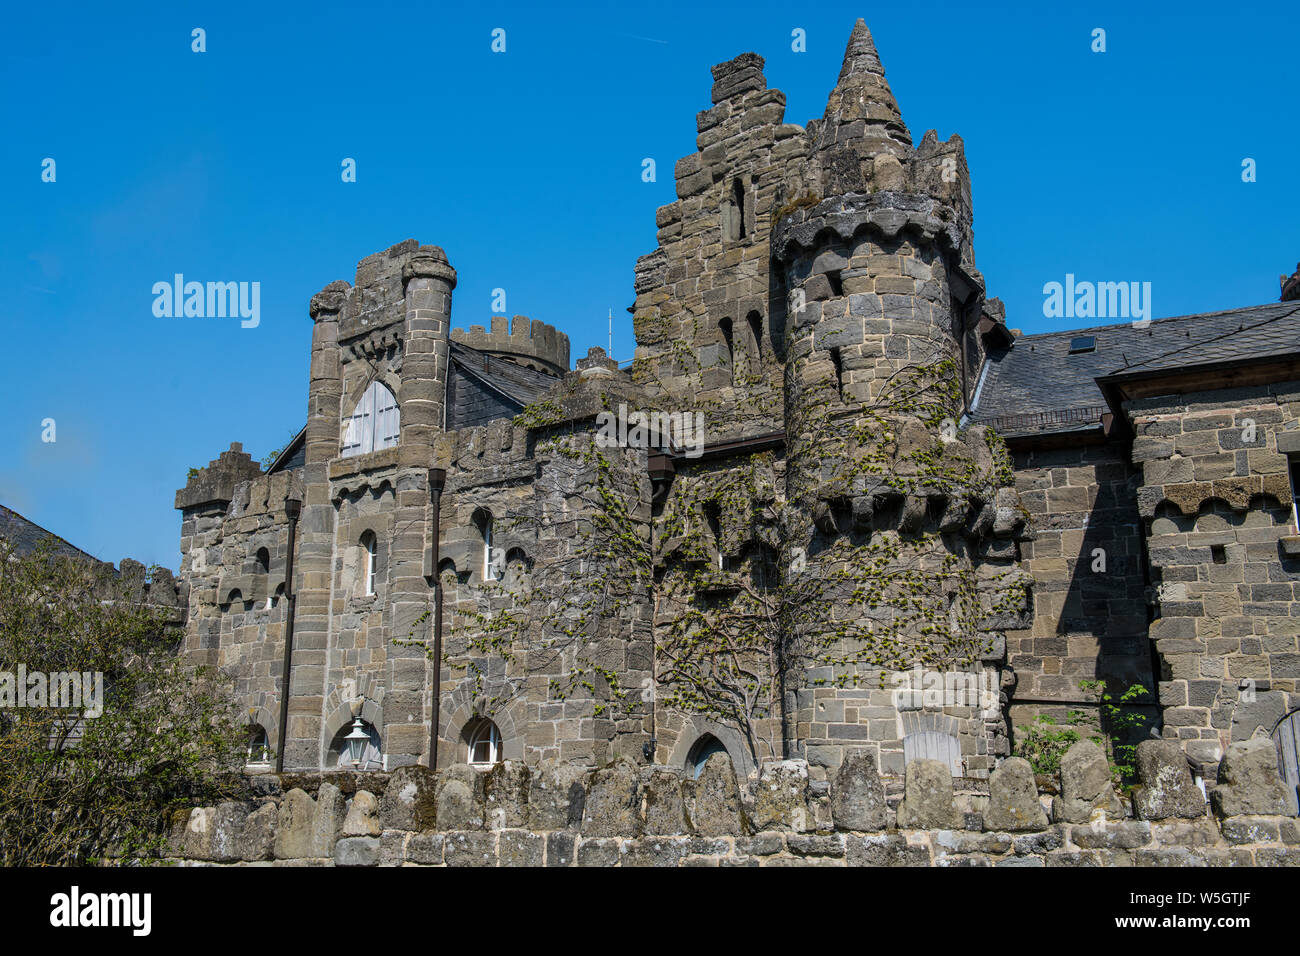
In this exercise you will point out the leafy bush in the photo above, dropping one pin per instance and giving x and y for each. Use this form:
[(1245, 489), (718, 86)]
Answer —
[(1043, 743), (1123, 723), (77, 788)]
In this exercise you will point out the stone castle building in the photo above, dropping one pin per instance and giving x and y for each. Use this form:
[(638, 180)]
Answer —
[(888, 484)]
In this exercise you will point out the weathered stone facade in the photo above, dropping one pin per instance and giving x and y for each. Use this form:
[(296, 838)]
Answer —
[(762, 586)]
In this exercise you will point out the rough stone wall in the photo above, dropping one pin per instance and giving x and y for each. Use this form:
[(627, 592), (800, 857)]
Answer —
[(708, 323), (1225, 559), (714, 537), (558, 650), (236, 611), (620, 815), (1088, 624)]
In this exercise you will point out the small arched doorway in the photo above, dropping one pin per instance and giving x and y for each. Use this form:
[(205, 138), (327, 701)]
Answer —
[(701, 751)]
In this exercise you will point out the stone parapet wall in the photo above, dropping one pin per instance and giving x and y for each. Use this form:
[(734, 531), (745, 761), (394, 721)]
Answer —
[(563, 815), (530, 342)]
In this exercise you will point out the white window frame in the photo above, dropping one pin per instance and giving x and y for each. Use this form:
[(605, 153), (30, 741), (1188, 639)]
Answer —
[(374, 424), (1293, 469), (493, 741), (370, 547), (263, 757), (489, 570)]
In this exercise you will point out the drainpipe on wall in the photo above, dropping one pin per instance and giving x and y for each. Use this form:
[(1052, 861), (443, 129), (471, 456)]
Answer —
[(292, 509), (437, 481)]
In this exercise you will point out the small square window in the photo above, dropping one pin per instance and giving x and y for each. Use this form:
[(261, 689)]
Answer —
[(1083, 343), (1219, 554)]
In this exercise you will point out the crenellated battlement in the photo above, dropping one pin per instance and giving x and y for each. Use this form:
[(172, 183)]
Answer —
[(529, 342)]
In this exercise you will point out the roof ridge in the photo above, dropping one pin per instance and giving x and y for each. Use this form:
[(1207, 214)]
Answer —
[(1167, 318)]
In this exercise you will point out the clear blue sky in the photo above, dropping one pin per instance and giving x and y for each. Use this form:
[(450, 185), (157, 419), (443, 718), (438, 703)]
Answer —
[(526, 168)]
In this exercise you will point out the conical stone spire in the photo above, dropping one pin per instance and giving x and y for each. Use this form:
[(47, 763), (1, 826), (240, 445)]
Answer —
[(860, 56), (862, 95)]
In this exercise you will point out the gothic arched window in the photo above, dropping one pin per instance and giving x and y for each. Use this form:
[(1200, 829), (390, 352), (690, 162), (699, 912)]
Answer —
[(484, 741), (374, 423)]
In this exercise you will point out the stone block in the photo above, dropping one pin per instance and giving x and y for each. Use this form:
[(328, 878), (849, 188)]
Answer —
[(227, 830), (1167, 787), (927, 797), (556, 796), (294, 835), (781, 801), (408, 802), (1086, 790), (505, 795), (601, 851), (858, 796), (520, 848), (665, 810), (1013, 798), (257, 839), (357, 851), (331, 807), (425, 848), (458, 803), (473, 848), (197, 842), (614, 803), (885, 849), (1249, 782), (718, 810)]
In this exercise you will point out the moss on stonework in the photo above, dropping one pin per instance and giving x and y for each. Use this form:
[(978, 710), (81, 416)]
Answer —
[(540, 414), (806, 201)]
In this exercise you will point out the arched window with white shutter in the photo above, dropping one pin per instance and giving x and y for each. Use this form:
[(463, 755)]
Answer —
[(374, 423)]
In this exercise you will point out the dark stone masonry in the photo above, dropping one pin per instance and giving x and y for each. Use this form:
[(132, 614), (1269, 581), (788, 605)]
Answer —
[(823, 633)]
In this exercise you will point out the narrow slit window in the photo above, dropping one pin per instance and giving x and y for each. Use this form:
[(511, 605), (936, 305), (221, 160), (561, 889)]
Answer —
[(839, 372), (714, 519), (755, 322), (733, 212), (370, 549), (725, 326), (738, 197)]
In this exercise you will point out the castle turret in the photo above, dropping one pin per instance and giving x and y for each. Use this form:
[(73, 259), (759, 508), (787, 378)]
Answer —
[(900, 501)]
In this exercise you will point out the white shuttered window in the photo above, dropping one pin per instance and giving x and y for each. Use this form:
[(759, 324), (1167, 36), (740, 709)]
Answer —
[(374, 423)]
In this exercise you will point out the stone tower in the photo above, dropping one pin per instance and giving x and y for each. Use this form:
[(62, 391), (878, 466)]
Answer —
[(910, 514)]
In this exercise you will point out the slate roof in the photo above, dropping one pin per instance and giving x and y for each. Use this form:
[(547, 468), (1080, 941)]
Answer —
[(26, 535), (293, 455), (1036, 386), (520, 384)]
